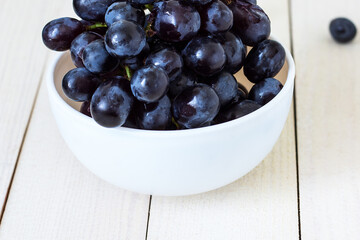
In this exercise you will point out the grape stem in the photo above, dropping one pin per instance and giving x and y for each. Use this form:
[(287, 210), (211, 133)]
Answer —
[(149, 6), (128, 72), (96, 25), (175, 123)]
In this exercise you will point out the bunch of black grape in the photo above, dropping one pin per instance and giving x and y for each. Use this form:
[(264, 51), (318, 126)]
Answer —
[(165, 65)]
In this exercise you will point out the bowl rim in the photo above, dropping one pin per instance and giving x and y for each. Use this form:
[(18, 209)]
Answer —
[(50, 78)]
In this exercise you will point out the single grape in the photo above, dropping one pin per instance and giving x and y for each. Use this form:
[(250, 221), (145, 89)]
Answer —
[(92, 10), (85, 108), (149, 84), (185, 80), (216, 17), (125, 39), (251, 23), (124, 11), (112, 102), (59, 33), (97, 60), (176, 21), (204, 55), (79, 84), (235, 51), (225, 86), (196, 106), (264, 91), (265, 60), (79, 44), (342, 30), (168, 60), (154, 116), (238, 110)]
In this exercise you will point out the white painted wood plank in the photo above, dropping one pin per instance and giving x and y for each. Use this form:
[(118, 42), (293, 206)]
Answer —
[(328, 120), (54, 197), (261, 205)]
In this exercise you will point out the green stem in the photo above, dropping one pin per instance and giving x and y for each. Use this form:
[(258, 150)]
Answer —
[(96, 25), (149, 6), (128, 72), (175, 123)]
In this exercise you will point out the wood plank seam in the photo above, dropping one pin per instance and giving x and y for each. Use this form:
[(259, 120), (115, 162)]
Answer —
[(23, 140), (295, 117), (148, 219)]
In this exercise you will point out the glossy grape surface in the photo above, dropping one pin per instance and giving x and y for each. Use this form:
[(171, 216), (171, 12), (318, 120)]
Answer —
[(251, 23), (225, 86), (85, 108), (112, 102), (125, 39), (176, 21), (235, 51), (238, 110), (342, 30), (79, 84), (154, 116), (58, 34), (79, 44), (265, 60), (97, 60), (204, 55), (264, 91), (185, 80), (216, 17), (167, 59), (196, 106), (92, 10), (149, 84), (124, 11)]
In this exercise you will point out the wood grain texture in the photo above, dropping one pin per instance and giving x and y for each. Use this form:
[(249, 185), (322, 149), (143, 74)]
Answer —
[(261, 205), (22, 61), (54, 197), (328, 120)]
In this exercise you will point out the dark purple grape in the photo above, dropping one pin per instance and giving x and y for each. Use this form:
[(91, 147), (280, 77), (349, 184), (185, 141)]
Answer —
[(85, 108), (235, 51), (251, 23), (196, 106), (124, 11), (176, 21), (168, 60), (59, 33), (204, 55), (342, 30), (112, 102), (125, 39), (185, 80), (134, 63), (197, 2), (225, 86), (97, 60), (264, 91), (79, 84), (79, 44), (216, 17), (154, 116), (141, 2), (265, 60), (92, 10), (238, 110), (149, 84)]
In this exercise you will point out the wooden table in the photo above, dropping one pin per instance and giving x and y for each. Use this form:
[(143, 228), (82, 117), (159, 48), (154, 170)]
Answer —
[(308, 187)]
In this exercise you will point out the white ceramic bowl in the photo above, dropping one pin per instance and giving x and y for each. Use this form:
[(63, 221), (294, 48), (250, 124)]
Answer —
[(170, 163)]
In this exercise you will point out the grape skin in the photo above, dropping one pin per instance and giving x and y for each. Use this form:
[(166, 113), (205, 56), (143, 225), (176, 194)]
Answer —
[(92, 10), (79, 44), (216, 17), (124, 11)]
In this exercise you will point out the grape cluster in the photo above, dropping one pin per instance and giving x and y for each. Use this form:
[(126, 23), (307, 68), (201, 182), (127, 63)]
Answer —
[(166, 65)]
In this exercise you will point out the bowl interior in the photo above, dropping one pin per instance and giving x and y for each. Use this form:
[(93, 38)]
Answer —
[(65, 64)]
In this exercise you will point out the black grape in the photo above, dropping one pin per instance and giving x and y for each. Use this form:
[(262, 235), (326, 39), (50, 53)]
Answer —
[(125, 39), (264, 91), (79, 44), (238, 110), (196, 106), (97, 60), (149, 84), (197, 2), (176, 21), (112, 102), (92, 10), (85, 108), (204, 55), (216, 17), (265, 60), (79, 84), (59, 33), (124, 11), (185, 80), (225, 86), (134, 63)]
